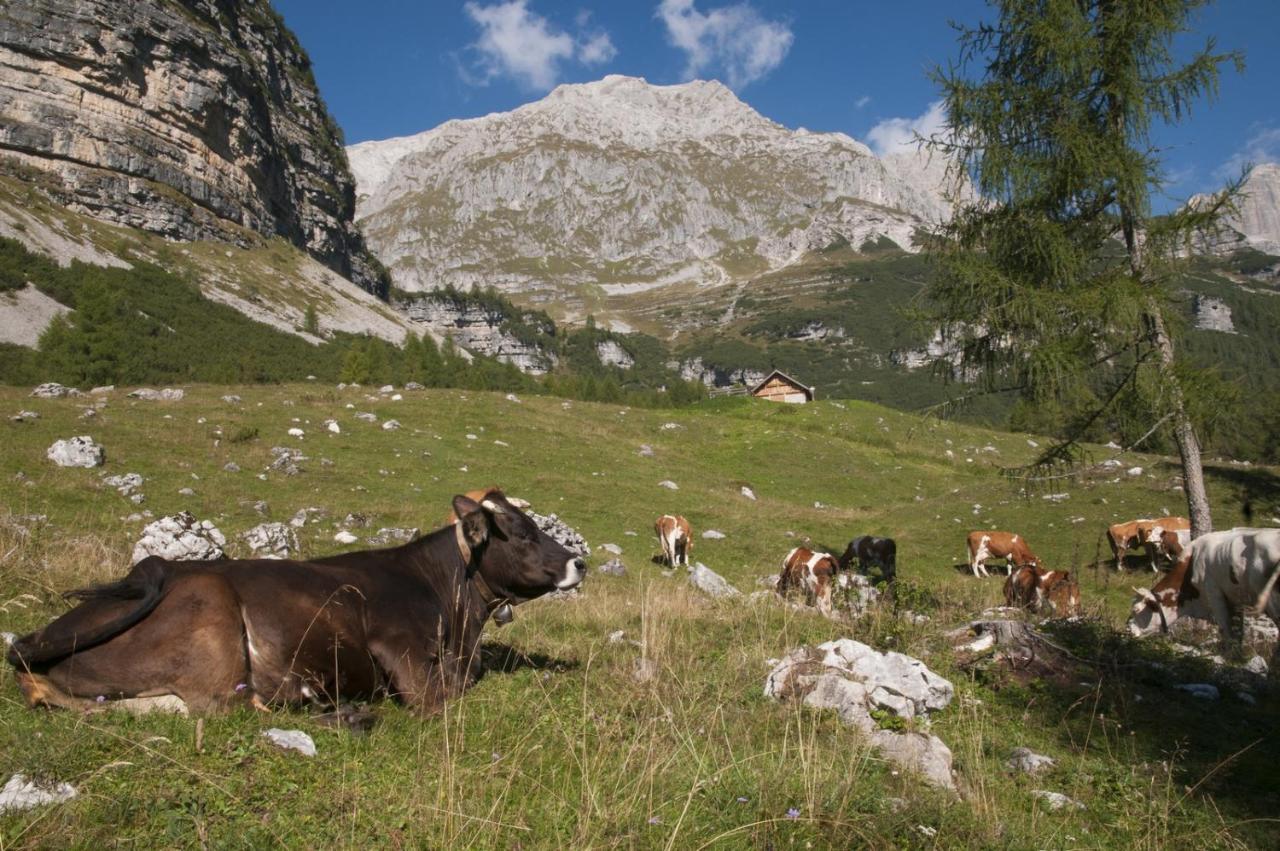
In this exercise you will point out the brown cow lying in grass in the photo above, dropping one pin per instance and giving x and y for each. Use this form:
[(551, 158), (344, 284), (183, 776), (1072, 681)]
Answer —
[(403, 621)]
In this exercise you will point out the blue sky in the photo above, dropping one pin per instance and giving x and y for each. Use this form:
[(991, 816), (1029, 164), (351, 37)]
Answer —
[(396, 67)]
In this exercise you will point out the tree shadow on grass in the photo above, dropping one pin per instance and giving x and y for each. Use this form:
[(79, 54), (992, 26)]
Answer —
[(1258, 488), (1113, 694)]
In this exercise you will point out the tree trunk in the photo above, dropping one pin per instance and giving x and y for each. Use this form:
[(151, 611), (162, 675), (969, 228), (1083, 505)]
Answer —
[(1184, 432)]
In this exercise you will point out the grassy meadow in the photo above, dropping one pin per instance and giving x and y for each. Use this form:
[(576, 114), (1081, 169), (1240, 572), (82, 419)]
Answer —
[(561, 745)]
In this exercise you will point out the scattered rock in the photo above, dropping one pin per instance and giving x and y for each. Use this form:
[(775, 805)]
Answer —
[(562, 533), (23, 793), (1257, 665), (186, 492), (291, 740), (262, 508), (332, 427), (617, 636), (1260, 630), (613, 567), (390, 535), (709, 582), (669, 485), (180, 537), (231, 399), (413, 385), (1134, 471), (713, 535), (24, 417), (103, 390), (53, 390), (345, 537), (646, 451), (76, 452), (126, 484), (1028, 761), (168, 394), (1204, 691), (231, 467), (748, 493), (854, 680), (391, 425), (355, 520), (286, 460), (511, 397), (612, 549), (671, 426), (271, 539), (1056, 800), (366, 416), (296, 432)]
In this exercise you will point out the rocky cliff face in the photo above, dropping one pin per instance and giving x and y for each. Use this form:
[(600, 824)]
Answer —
[(195, 119), (478, 329), (1256, 222), (628, 186)]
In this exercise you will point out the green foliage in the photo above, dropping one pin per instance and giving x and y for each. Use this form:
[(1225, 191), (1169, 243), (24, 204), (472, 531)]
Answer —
[(311, 322), (1043, 283)]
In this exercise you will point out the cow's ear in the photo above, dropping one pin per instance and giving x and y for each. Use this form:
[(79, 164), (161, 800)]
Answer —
[(474, 520)]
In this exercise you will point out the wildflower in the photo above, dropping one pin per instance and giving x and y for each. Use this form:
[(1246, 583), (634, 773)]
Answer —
[(793, 813), (654, 820)]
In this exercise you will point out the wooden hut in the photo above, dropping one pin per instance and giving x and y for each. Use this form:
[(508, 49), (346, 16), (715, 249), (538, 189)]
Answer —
[(780, 387)]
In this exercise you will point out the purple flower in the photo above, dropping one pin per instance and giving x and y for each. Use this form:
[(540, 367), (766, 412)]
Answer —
[(793, 813), (654, 820)]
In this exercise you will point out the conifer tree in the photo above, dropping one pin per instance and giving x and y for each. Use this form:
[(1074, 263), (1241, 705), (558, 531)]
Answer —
[(1054, 280)]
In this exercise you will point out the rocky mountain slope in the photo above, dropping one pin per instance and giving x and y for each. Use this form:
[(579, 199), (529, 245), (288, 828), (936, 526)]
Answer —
[(618, 187), (193, 119), (1256, 221)]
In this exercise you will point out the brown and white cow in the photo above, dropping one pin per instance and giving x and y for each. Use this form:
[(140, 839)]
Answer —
[(1218, 573), (1006, 545), (1041, 591), (869, 551), (1137, 533), (403, 621), (1168, 544), (675, 537), (812, 572)]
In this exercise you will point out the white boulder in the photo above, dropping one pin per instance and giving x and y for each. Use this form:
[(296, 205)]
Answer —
[(79, 451), (1027, 761), (23, 793), (275, 540), (168, 394), (709, 582), (291, 740), (53, 390), (180, 537)]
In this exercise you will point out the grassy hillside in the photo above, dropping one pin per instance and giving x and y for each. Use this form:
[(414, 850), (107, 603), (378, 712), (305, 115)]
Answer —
[(559, 745)]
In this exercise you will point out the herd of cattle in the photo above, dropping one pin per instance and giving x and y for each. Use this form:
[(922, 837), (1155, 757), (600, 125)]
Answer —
[(406, 621)]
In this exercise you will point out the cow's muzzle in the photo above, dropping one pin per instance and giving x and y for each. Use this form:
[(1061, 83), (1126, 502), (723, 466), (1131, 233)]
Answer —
[(575, 570)]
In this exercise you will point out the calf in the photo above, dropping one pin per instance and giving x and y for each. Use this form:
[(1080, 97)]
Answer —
[(675, 537), (403, 621), (868, 550), (1006, 545), (812, 572), (1041, 591)]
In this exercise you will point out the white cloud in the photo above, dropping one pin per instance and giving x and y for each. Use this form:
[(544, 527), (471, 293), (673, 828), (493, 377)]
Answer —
[(731, 40), (523, 45), (862, 102), (1262, 147), (897, 135)]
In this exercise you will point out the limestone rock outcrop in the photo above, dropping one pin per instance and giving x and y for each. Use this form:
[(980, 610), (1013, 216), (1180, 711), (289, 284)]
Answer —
[(194, 119)]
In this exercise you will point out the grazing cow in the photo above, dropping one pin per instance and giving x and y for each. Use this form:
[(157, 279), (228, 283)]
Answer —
[(812, 572), (868, 550), (1006, 545), (1218, 572), (675, 537), (1125, 536), (1168, 544), (1035, 589), (403, 621)]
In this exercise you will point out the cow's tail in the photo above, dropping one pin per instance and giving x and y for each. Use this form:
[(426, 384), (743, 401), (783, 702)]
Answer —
[(147, 583)]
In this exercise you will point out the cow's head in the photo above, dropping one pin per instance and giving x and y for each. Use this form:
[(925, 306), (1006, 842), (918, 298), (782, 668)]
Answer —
[(1156, 608), (1154, 534), (516, 560)]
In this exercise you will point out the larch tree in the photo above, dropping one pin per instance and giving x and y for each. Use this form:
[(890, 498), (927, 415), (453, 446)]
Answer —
[(1053, 279)]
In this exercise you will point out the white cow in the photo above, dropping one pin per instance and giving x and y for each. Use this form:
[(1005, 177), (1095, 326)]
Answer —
[(1217, 573)]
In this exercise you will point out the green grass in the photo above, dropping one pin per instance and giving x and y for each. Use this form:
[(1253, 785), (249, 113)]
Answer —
[(558, 745)]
